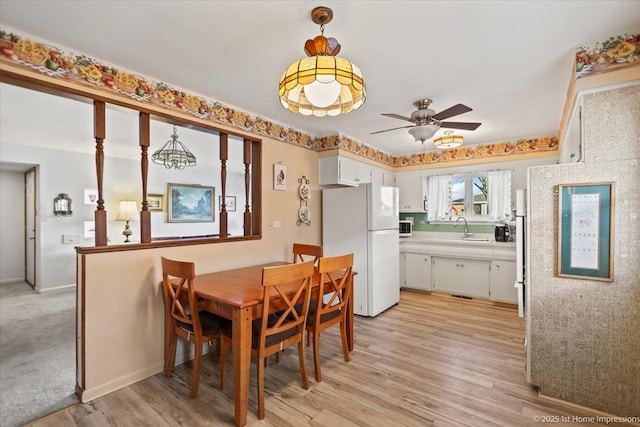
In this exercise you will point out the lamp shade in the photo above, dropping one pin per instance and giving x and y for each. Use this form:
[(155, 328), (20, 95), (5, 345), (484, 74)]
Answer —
[(322, 85), (448, 140), (423, 132), (127, 211)]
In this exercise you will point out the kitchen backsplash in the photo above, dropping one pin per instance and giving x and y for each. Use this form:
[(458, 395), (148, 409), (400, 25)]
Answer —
[(420, 223)]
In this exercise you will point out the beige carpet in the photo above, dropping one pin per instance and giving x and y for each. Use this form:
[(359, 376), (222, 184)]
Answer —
[(37, 352)]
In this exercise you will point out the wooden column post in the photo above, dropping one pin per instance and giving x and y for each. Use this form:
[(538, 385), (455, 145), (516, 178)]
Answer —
[(247, 180), (224, 156), (145, 141), (99, 134)]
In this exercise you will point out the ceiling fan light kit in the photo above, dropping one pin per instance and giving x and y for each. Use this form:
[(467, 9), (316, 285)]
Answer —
[(424, 132), (322, 84), (426, 122)]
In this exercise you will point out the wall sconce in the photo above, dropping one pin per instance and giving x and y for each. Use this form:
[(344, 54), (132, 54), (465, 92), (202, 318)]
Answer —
[(62, 205), (128, 211)]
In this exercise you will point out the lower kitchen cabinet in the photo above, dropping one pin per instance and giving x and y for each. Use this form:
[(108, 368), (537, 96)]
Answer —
[(503, 276), (461, 276), (417, 271)]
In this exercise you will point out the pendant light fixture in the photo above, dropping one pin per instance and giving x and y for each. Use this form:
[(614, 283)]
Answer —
[(174, 154), (448, 140), (322, 84)]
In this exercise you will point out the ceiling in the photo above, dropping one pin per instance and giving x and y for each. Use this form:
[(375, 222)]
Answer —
[(509, 61)]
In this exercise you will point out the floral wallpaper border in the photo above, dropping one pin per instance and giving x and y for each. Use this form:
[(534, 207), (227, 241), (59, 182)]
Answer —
[(616, 52), (52, 61)]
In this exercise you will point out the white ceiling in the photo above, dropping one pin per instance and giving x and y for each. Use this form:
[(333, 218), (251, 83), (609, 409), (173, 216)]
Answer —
[(508, 60)]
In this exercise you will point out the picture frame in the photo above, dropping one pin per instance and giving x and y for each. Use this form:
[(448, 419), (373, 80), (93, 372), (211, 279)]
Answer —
[(229, 201), (155, 202), (585, 231), (190, 203), (90, 196), (279, 177)]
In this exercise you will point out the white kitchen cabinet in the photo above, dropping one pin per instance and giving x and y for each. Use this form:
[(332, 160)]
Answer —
[(461, 276), (503, 277), (343, 170), (382, 176), (412, 192), (417, 271)]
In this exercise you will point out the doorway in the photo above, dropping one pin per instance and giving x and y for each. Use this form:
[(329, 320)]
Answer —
[(30, 227)]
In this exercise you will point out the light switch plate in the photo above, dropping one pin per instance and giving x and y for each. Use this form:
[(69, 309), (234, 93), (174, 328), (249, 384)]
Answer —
[(71, 238)]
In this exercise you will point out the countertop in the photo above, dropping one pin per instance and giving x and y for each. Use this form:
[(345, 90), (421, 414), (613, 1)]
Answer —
[(453, 245)]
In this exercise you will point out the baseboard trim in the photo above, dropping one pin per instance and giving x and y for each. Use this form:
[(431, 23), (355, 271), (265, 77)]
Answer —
[(590, 411), (126, 380), (17, 279), (56, 288), (118, 383)]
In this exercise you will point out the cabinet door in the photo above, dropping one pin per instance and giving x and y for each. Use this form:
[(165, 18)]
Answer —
[(363, 173), (411, 192), (503, 278), (418, 271), (347, 171), (377, 175), (461, 276)]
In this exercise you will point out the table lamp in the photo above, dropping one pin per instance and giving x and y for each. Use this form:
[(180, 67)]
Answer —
[(128, 211)]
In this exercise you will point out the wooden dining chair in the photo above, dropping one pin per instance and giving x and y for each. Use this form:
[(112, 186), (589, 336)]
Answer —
[(284, 287), (335, 281), (303, 252), (184, 319)]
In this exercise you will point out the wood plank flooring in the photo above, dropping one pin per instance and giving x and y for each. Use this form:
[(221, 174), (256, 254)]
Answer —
[(433, 360)]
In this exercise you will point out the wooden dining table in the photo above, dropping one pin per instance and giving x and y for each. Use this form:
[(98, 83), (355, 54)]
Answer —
[(237, 295)]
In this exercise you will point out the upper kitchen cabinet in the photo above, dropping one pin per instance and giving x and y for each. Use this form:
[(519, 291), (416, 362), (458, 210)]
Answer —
[(343, 170), (382, 176), (340, 170), (412, 191)]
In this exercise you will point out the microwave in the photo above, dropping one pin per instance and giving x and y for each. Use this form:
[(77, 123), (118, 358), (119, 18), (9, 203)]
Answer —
[(405, 226)]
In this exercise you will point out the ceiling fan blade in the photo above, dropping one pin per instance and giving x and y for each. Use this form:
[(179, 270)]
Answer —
[(387, 130), (453, 111), (398, 116), (461, 125)]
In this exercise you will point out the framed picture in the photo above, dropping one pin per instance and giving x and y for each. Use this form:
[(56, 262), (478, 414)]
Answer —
[(190, 203), (585, 231), (90, 196), (229, 201), (279, 177), (155, 202)]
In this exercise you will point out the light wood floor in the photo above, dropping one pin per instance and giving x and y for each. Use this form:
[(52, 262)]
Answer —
[(433, 360)]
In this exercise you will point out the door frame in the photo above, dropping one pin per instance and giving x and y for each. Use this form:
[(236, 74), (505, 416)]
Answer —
[(35, 225)]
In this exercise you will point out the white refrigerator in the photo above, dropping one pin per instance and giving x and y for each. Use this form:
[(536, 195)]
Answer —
[(364, 220)]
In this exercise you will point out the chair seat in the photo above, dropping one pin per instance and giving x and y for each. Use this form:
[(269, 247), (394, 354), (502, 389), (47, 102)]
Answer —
[(256, 324), (211, 323)]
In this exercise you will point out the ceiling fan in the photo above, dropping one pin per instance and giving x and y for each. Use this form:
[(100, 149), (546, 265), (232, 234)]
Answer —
[(426, 122)]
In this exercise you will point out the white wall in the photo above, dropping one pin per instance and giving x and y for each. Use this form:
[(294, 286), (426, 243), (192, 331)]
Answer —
[(11, 226)]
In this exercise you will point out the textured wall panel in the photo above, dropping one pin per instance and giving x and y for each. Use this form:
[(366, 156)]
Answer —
[(585, 335)]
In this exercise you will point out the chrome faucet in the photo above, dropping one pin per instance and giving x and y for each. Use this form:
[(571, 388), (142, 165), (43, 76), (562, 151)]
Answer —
[(466, 226)]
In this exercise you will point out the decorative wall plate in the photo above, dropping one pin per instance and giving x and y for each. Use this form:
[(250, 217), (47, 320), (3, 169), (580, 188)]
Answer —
[(305, 192), (304, 213)]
